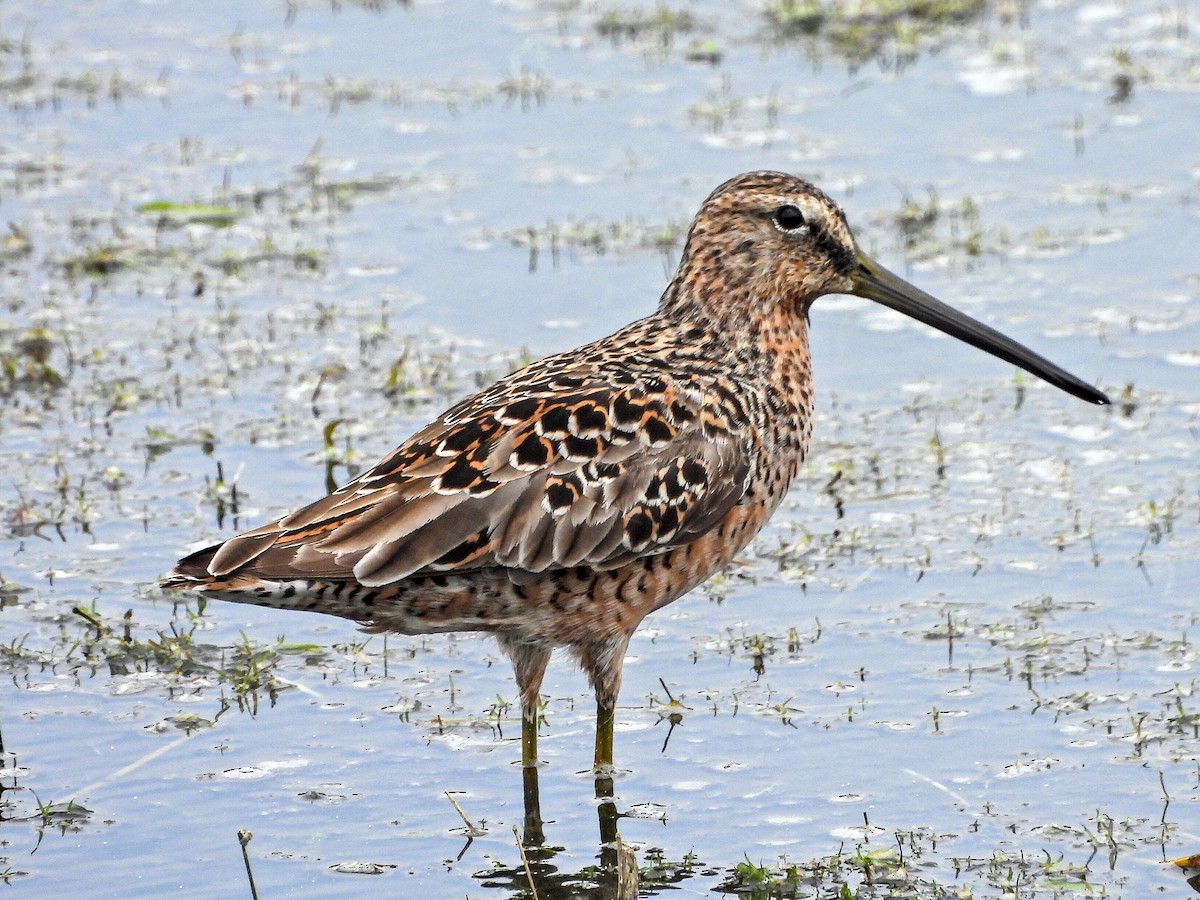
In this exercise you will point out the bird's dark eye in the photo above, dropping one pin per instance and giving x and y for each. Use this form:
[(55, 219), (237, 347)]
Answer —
[(789, 218)]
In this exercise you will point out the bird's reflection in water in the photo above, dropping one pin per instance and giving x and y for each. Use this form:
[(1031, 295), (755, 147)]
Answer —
[(614, 876)]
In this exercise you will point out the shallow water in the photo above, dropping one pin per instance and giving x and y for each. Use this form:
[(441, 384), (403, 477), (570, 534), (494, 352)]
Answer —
[(980, 677)]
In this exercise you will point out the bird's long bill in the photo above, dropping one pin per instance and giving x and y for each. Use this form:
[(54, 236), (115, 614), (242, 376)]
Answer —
[(874, 282)]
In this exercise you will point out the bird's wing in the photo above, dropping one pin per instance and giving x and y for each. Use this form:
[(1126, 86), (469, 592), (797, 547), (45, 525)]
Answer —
[(578, 470)]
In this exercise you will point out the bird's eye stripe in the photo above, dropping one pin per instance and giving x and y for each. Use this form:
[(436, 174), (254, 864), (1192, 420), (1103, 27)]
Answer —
[(789, 218)]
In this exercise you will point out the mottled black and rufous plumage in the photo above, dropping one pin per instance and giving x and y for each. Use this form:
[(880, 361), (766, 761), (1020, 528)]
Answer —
[(564, 503)]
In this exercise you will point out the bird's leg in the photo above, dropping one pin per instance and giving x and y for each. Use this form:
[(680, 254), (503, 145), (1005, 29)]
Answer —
[(529, 737), (529, 665), (606, 809), (606, 712), (602, 661)]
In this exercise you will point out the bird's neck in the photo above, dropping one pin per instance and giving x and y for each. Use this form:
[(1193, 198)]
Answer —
[(765, 332), (761, 341)]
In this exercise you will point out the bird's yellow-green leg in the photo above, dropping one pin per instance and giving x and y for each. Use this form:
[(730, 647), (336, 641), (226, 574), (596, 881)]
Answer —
[(606, 809), (529, 665), (529, 736), (606, 713), (602, 659)]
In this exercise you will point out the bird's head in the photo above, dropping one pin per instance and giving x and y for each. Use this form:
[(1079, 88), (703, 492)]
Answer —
[(765, 245)]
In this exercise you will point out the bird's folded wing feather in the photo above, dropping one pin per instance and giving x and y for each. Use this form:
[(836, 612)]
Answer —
[(597, 474)]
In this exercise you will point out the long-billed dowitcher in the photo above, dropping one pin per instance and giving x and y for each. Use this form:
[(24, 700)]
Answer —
[(566, 502)]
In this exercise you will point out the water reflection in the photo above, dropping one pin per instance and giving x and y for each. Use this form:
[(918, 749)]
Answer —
[(616, 876)]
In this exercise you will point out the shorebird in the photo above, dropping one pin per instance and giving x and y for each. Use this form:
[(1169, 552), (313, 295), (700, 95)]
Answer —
[(569, 500)]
